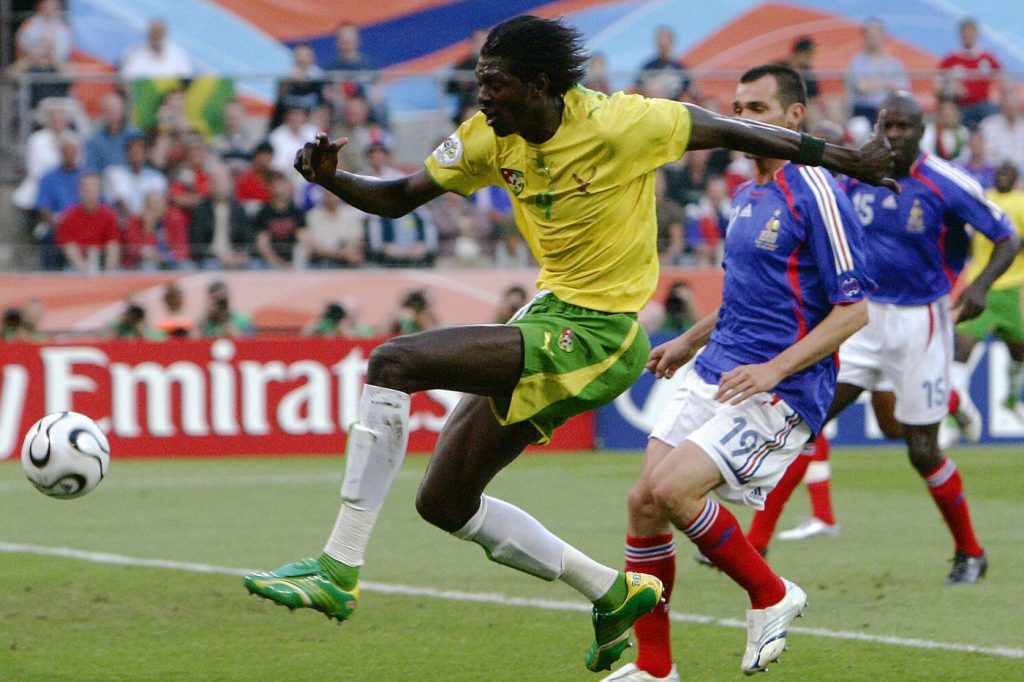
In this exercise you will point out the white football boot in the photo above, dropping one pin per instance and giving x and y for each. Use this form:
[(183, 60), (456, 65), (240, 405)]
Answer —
[(631, 673), (767, 628)]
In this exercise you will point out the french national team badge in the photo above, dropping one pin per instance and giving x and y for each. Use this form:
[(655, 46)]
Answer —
[(770, 233), (565, 340), (514, 179), (915, 221)]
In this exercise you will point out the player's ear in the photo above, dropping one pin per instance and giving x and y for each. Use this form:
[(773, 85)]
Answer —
[(795, 113)]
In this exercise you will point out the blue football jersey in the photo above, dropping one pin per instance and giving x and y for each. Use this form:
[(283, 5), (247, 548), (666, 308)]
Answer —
[(793, 249), (917, 242)]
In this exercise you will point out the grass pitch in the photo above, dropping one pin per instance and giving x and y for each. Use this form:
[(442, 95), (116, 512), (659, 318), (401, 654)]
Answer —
[(437, 610)]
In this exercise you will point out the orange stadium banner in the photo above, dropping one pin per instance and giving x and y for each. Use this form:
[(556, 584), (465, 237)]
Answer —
[(222, 397)]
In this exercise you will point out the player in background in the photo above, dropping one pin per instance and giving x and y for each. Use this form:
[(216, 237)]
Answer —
[(760, 387), (909, 340), (1002, 315), (579, 166)]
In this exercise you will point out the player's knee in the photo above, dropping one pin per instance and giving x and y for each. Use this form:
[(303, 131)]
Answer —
[(642, 506), (391, 365), (438, 510), (924, 453)]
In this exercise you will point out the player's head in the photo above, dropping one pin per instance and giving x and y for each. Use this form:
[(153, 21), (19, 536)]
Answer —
[(1006, 176), (526, 60), (771, 93), (903, 127)]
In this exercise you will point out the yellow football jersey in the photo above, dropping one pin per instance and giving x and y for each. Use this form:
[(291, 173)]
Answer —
[(1012, 203), (583, 200)]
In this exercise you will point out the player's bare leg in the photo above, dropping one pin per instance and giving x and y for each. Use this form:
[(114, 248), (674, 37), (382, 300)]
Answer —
[(683, 480)]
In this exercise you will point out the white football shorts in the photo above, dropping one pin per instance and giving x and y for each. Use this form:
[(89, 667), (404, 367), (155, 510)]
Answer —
[(752, 443), (909, 347)]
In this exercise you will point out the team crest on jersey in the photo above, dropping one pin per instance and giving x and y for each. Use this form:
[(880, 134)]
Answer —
[(449, 152), (915, 222), (565, 340), (770, 233), (514, 179)]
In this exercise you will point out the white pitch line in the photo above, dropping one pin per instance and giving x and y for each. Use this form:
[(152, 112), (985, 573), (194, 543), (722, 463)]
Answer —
[(501, 599)]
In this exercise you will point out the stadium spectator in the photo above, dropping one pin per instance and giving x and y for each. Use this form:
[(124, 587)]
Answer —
[(921, 230), (158, 238), (46, 25), (252, 187), (596, 77), (977, 165), (49, 77), (1004, 130), (663, 75), (221, 231), (126, 186), (31, 319), (333, 322), (335, 234), (169, 135), (42, 150), (349, 64), (87, 232), (512, 301), (413, 314), (462, 230), (671, 223), (174, 323), (131, 324), (873, 74), (801, 60), (288, 137), (945, 136), (407, 241), (302, 88), (219, 318), (236, 143), (12, 328), (279, 225), (191, 184), (599, 275), (706, 222), (968, 75), (679, 311), (356, 126), (157, 56), (58, 191), (109, 144), (461, 85)]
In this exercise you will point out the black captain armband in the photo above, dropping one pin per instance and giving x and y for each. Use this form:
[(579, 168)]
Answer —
[(812, 150)]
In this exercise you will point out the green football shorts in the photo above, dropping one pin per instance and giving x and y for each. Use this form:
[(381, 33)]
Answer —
[(1002, 316), (574, 359)]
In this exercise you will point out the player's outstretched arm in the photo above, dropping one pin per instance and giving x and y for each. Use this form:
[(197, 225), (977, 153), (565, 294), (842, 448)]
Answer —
[(666, 358), (872, 163), (317, 161), (971, 301), (740, 383)]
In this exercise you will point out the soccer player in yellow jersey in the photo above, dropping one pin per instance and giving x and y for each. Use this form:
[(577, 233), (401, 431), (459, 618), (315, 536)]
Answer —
[(579, 166), (1002, 315)]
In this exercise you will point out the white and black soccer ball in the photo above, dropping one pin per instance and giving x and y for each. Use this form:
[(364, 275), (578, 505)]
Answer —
[(65, 455)]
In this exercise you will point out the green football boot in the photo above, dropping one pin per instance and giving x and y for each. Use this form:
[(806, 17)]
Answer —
[(611, 629), (304, 585)]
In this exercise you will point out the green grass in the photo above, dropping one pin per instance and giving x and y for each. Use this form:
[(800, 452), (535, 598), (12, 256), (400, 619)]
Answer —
[(68, 619)]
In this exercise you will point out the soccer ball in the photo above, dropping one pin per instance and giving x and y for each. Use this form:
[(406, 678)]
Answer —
[(65, 455)]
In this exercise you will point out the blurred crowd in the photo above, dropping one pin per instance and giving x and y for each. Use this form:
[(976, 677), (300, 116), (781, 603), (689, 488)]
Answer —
[(108, 194)]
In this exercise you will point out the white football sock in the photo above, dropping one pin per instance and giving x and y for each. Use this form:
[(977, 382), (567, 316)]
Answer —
[(960, 377), (376, 449), (514, 538), (589, 578)]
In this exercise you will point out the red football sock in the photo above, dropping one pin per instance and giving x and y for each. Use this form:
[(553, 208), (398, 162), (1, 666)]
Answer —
[(718, 537), (819, 477), (762, 526), (655, 556), (954, 402), (947, 489)]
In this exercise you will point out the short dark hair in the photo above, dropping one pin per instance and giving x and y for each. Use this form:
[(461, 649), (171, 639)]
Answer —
[(791, 86), (532, 46)]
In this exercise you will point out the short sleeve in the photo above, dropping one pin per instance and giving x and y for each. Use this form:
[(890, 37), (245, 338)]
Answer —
[(465, 161), (835, 236), (656, 130), (966, 200)]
